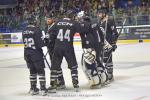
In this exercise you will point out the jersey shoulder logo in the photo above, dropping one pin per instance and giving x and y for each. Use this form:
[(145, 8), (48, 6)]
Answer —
[(28, 32), (65, 23), (94, 25)]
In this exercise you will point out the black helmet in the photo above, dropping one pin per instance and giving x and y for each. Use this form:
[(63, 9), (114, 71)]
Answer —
[(87, 18), (70, 14)]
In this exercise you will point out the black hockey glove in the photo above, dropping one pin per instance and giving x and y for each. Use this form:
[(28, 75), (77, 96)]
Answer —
[(107, 47), (46, 41), (114, 47)]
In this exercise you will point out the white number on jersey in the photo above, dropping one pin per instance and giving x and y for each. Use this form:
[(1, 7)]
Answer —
[(29, 43), (61, 36)]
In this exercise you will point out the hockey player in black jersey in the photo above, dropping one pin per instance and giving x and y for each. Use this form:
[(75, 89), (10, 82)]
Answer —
[(62, 34), (92, 44), (111, 35), (33, 56), (50, 22)]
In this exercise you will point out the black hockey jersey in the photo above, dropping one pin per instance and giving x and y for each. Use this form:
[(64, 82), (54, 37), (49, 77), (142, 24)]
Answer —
[(91, 35), (32, 37), (109, 29), (63, 31)]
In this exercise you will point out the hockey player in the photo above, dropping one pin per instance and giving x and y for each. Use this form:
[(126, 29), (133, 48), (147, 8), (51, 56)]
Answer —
[(62, 34), (111, 35), (33, 56), (92, 42), (50, 22)]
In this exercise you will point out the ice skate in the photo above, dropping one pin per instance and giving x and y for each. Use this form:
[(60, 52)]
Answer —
[(43, 91), (61, 87), (76, 88), (34, 91), (52, 89)]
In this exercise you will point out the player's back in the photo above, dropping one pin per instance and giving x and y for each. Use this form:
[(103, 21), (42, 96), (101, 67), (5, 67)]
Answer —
[(32, 37), (94, 36), (86, 32), (64, 30)]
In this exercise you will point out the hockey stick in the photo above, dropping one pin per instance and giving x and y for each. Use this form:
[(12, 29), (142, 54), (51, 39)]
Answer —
[(108, 58), (122, 27), (43, 33), (44, 57), (82, 60), (46, 61), (50, 52), (46, 53)]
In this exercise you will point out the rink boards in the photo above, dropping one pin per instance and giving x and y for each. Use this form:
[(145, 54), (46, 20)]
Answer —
[(129, 35), (79, 43)]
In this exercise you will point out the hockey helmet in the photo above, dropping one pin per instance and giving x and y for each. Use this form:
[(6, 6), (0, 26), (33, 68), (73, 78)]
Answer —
[(80, 14), (70, 14), (87, 18)]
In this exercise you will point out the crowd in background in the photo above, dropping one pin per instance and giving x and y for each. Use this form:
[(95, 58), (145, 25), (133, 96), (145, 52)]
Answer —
[(14, 18)]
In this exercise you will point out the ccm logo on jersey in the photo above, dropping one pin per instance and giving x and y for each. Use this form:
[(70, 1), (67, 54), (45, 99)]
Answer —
[(28, 32), (64, 23)]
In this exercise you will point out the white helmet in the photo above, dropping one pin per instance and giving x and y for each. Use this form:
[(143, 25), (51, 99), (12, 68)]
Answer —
[(80, 14)]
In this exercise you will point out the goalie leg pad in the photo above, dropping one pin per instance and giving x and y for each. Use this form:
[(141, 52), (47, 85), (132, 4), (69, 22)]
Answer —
[(102, 71), (92, 74)]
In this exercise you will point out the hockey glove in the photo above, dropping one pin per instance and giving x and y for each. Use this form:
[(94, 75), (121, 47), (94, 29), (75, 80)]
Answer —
[(114, 47), (89, 55), (46, 41), (107, 46)]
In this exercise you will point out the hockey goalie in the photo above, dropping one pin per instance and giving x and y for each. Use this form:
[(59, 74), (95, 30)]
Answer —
[(92, 43), (89, 67)]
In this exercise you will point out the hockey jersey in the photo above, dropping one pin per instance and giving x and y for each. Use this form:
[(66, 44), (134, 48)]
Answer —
[(32, 37), (109, 29)]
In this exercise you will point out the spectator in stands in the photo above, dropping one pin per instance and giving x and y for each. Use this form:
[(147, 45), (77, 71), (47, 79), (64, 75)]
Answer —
[(15, 16)]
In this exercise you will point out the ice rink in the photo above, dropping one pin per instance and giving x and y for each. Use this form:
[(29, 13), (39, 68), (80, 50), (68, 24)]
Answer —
[(131, 70)]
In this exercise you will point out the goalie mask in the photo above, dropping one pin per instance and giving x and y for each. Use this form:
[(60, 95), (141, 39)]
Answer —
[(80, 15)]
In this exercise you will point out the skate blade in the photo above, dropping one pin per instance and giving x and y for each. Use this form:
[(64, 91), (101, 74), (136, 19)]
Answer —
[(52, 91), (95, 86), (108, 82), (76, 89), (61, 88), (43, 93), (33, 93)]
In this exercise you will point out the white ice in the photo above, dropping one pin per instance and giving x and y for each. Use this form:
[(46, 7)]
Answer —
[(131, 70)]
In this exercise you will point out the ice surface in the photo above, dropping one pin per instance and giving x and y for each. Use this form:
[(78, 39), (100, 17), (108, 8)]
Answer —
[(131, 70)]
